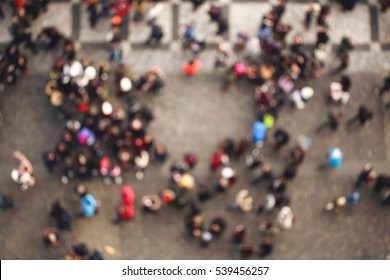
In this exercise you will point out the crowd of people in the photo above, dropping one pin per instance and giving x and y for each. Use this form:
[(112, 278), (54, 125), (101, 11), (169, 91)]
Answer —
[(103, 140)]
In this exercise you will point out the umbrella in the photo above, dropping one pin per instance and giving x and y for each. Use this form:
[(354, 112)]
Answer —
[(86, 137), (335, 158), (259, 131), (88, 205)]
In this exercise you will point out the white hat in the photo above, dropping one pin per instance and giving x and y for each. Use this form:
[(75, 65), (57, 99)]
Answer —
[(307, 92), (106, 108), (125, 84), (90, 72)]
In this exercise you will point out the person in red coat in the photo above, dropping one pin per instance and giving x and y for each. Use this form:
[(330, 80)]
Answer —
[(122, 8), (125, 212), (128, 196)]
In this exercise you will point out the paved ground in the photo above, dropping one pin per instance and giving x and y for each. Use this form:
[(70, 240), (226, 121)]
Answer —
[(194, 115)]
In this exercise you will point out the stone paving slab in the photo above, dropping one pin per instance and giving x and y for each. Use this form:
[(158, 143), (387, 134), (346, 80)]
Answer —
[(354, 24), (4, 25), (294, 15), (59, 15), (140, 31), (204, 27), (246, 17), (97, 34), (384, 27)]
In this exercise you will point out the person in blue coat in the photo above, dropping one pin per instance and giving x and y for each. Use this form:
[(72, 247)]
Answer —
[(259, 132), (88, 205)]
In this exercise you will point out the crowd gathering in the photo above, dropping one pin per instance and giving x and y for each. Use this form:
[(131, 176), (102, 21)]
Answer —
[(104, 140)]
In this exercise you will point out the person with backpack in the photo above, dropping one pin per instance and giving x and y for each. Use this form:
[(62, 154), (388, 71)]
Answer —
[(156, 34)]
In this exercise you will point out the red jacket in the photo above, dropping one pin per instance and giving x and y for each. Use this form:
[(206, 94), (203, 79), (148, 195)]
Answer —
[(126, 212), (122, 8), (128, 196)]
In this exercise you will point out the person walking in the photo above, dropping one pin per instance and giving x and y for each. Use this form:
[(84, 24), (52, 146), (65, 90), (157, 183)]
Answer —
[(333, 121), (363, 116), (366, 176), (384, 88)]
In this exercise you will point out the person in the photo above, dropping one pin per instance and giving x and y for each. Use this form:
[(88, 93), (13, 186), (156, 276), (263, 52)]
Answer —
[(339, 91), (265, 175), (247, 250), (279, 185), (385, 4), (7, 202), (385, 87), (222, 56), (334, 119), (217, 226), (334, 159), (51, 33), (156, 34), (363, 116), (205, 238), (61, 216), (1, 11), (51, 236), (266, 247), (347, 5), (24, 173), (343, 53), (160, 153), (122, 8), (151, 203), (313, 9), (192, 67), (49, 159), (281, 138), (322, 37), (93, 14), (366, 176), (223, 26), (239, 233), (196, 4), (215, 11), (88, 205)]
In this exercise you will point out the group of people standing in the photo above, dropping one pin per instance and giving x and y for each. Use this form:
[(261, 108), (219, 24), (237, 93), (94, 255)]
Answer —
[(103, 140)]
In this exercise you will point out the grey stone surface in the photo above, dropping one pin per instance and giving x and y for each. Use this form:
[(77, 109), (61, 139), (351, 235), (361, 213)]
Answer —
[(140, 31), (193, 116), (4, 24), (354, 24), (204, 27), (58, 14), (384, 27), (294, 15), (246, 17), (97, 34)]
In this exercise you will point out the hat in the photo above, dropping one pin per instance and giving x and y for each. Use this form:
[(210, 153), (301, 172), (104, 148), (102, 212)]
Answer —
[(187, 181), (125, 84), (56, 98), (116, 20), (90, 72), (244, 200), (227, 172), (82, 81), (307, 92), (106, 108)]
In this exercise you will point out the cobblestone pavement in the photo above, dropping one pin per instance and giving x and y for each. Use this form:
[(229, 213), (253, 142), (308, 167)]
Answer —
[(193, 116)]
